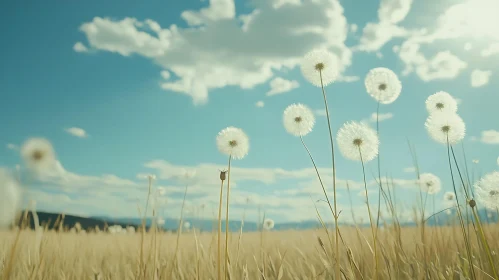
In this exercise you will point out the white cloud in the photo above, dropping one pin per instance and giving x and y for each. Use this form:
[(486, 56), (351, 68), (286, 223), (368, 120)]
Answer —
[(60, 190), (376, 35), (320, 112), (77, 132), (165, 74), (381, 117), (259, 104), (222, 52), (79, 47), (279, 3), (444, 65), (409, 169), (468, 46), (354, 27), (216, 11), (390, 13), (480, 78), (279, 85), (394, 11), (492, 49), (13, 147), (490, 137), (348, 79)]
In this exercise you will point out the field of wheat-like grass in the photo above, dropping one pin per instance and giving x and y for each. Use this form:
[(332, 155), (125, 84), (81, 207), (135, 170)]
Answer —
[(256, 255)]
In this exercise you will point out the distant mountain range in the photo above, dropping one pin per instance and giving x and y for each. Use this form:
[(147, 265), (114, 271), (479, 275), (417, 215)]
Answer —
[(208, 225)]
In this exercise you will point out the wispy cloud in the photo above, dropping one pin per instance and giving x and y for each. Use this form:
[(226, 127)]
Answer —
[(490, 137), (480, 78), (79, 47), (13, 147), (381, 117), (409, 169), (77, 132), (260, 104), (280, 85)]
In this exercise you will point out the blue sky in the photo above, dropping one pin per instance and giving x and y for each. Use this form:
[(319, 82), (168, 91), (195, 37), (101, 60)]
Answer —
[(151, 85)]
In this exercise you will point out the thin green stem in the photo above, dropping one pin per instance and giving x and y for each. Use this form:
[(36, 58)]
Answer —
[(335, 214), (465, 236), (227, 223), (219, 259), (370, 217)]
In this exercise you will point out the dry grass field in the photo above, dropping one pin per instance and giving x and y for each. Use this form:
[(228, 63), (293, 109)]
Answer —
[(257, 255)]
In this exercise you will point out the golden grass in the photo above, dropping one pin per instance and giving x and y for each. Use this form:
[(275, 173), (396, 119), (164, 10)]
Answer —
[(287, 254)]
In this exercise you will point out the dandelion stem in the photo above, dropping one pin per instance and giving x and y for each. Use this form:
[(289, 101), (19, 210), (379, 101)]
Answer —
[(318, 176), (219, 262), (477, 219), (227, 223), (465, 236), (370, 218), (335, 213)]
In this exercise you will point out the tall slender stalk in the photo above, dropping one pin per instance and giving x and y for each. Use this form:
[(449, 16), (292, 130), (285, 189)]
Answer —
[(219, 259), (465, 236), (472, 204), (320, 180), (370, 217), (227, 223), (335, 213)]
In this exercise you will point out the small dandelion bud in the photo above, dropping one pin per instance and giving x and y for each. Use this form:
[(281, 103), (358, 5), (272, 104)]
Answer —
[(472, 203), (223, 174)]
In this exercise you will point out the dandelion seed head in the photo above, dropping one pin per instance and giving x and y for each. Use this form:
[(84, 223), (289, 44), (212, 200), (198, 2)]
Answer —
[(443, 126), (353, 136), (38, 154), (10, 198), (383, 85), (430, 183), (319, 63), (187, 225), (487, 190), (449, 196), (298, 119), (268, 224), (233, 142), (441, 102)]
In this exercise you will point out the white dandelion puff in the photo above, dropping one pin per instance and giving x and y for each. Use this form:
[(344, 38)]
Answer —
[(430, 183), (320, 63), (449, 199), (441, 102), (160, 221), (487, 190), (358, 139), (449, 196), (383, 85), (187, 225), (10, 198), (444, 127), (268, 224), (298, 119), (38, 154), (233, 142)]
